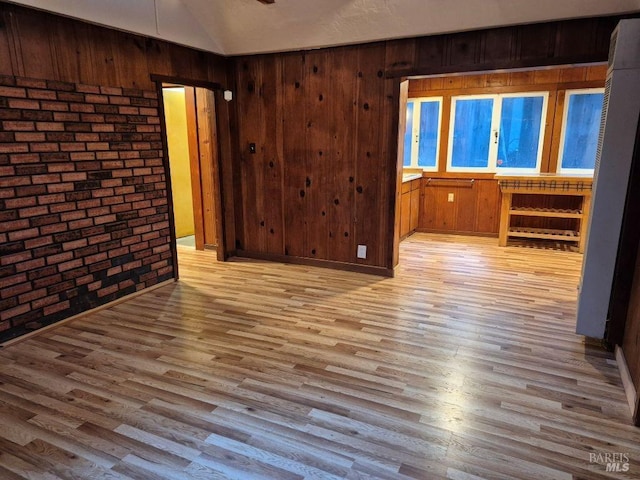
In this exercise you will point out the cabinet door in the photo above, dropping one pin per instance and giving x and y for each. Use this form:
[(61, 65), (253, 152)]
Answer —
[(405, 214), (415, 209)]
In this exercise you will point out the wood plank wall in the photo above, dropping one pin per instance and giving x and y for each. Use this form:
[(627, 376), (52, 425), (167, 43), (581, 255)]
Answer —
[(476, 206), (323, 178)]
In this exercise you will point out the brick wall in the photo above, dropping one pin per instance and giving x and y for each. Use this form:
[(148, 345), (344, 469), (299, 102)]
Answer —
[(83, 203)]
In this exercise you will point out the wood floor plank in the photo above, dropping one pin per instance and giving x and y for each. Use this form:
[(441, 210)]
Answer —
[(464, 366)]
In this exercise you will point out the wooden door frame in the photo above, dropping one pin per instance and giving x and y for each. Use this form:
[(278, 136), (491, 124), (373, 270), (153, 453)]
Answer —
[(216, 88)]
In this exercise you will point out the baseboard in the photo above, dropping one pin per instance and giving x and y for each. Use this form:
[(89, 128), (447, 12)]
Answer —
[(627, 381), (313, 262), (449, 232), (113, 303)]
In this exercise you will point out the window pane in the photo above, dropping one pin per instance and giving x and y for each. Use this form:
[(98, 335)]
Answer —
[(428, 146), (581, 130), (471, 133), (408, 135), (520, 122)]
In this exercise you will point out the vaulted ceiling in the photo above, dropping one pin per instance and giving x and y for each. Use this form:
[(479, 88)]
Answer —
[(234, 27)]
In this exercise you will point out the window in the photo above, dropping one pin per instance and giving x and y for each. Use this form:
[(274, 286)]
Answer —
[(422, 134), (580, 130), (497, 133)]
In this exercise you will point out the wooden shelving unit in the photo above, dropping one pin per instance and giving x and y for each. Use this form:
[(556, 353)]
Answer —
[(512, 187)]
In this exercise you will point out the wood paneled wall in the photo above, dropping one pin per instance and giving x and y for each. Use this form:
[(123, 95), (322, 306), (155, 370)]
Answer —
[(40, 45), (318, 182), (324, 175)]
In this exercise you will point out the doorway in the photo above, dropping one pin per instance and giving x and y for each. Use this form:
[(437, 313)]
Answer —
[(193, 166)]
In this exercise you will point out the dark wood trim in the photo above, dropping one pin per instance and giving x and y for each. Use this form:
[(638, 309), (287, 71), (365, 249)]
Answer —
[(167, 176), (313, 262), (221, 248), (179, 81)]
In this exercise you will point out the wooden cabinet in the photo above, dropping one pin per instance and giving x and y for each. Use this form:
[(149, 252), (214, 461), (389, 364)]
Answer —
[(545, 207), (409, 207)]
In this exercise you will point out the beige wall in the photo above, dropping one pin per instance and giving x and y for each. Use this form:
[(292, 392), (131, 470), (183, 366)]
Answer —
[(176, 121)]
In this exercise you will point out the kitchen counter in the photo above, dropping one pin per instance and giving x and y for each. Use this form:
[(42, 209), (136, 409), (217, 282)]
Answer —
[(407, 177)]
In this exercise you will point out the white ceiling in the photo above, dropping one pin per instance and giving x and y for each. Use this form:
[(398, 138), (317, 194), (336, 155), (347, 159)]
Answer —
[(235, 27)]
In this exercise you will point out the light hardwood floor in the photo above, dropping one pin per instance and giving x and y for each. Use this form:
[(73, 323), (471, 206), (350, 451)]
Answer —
[(464, 366)]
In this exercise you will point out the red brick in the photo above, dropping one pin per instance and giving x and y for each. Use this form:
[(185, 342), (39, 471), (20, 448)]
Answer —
[(34, 211), (79, 156), (118, 252), (95, 258), (14, 312), (73, 147), (30, 265), (38, 242), (92, 98), (20, 202), (66, 117), (17, 126), (29, 137), (105, 237), (73, 214), (90, 203), (87, 88), (14, 225), (14, 147), (47, 281), (84, 280), (43, 302), (111, 90), (56, 308), (24, 104), (61, 167), (45, 147), (60, 187), (23, 234), (103, 192), (41, 94), (55, 106), (86, 222), (128, 110), (102, 127), (97, 146), (107, 290), (114, 271), (54, 198), (63, 267), (32, 295), (48, 178), (59, 258), (49, 127), (7, 171), (74, 244), (153, 112), (13, 92), (15, 290), (87, 137), (82, 108), (25, 158), (62, 207), (74, 176), (55, 228), (104, 219), (30, 82)]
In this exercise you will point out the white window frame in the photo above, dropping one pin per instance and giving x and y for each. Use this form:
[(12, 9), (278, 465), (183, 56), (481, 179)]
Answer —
[(492, 166), (565, 114), (415, 134)]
